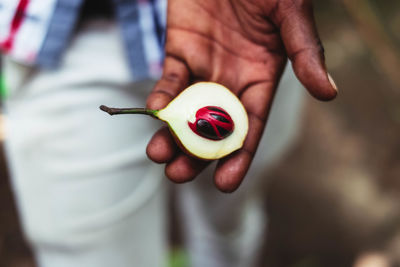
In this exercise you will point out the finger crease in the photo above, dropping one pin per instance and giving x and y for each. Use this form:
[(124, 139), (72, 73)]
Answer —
[(179, 59), (161, 91), (251, 84), (172, 77), (247, 151), (258, 117), (293, 55)]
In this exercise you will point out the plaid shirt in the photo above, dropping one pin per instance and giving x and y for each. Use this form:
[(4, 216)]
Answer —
[(36, 32)]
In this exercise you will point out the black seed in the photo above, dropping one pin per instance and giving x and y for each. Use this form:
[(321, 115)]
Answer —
[(223, 132), (206, 130), (218, 110), (219, 118)]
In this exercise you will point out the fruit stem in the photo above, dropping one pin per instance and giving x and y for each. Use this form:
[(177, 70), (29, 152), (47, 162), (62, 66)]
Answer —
[(117, 111)]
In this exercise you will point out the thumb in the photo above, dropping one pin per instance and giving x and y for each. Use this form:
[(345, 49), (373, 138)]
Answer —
[(304, 49), (175, 78)]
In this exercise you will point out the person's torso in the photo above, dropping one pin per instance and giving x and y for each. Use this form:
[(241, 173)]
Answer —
[(36, 32)]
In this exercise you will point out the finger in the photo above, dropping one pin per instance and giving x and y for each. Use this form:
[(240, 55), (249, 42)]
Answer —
[(304, 48), (162, 147), (231, 170), (184, 168), (174, 79)]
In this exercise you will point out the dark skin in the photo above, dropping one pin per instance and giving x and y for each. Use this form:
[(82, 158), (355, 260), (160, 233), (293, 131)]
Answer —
[(244, 45)]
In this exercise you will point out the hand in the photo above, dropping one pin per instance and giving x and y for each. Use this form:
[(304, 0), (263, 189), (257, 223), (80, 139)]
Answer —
[(243, 45)]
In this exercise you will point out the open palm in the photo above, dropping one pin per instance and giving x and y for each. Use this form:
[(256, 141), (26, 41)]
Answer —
[(243, 45)]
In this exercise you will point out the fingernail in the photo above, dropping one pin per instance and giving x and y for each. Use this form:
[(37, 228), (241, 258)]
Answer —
[(332, 82)]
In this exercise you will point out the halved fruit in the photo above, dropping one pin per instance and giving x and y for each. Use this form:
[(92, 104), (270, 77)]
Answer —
[(207, 119)]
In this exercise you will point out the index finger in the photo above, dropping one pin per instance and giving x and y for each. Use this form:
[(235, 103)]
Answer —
[(304, 48), (161, 148), (175, 78)]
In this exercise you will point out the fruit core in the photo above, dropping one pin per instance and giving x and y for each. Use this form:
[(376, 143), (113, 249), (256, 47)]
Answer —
[(213, 123)]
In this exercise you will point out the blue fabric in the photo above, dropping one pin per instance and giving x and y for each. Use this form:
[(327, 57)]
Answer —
[(128, 16), (66, 15), (60, 29)]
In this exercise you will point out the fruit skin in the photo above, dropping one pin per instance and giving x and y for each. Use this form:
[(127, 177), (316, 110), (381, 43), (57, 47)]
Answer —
[(196, 101)]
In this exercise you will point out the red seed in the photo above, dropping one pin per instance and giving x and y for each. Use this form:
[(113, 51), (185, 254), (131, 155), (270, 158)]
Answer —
[(213, 123)]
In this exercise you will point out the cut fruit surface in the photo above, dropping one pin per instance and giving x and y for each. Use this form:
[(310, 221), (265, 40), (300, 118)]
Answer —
[(181, 112)]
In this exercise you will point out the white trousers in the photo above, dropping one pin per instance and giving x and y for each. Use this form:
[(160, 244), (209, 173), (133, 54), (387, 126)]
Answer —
[(87, 194)]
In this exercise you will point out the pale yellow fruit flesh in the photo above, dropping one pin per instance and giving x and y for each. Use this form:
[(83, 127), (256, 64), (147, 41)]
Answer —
[(183, 110)]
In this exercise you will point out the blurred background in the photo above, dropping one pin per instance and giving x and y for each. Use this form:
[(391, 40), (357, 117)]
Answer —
[(334, 200)]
